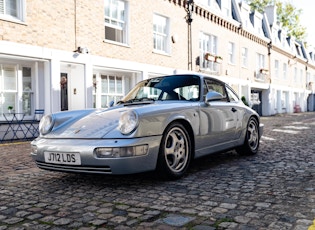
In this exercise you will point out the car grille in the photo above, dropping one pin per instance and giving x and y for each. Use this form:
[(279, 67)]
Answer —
[(79, 169)]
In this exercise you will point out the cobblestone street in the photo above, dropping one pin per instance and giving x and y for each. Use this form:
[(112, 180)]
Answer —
[(274, 189)]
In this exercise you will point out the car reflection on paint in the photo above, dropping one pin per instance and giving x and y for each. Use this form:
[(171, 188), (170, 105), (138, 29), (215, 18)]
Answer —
[(161, 125)]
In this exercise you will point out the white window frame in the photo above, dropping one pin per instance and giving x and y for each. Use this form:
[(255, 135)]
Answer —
[(16, 14), (276, 68), (161, 33), (98, 94), (226, 8), (285, 71), (18, 89), (208, 43), (231, 52), (295, 74), (260, 62), (244, 57), (118, 24)]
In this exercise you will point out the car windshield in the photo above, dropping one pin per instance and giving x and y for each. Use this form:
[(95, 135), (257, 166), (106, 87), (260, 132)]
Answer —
[(179, 87)]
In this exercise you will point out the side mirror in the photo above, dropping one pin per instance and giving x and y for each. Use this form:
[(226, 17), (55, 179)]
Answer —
[(111, 103), (213, 96)]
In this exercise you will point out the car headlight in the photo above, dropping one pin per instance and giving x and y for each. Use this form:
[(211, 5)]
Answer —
[(128, 122), (46, 124)]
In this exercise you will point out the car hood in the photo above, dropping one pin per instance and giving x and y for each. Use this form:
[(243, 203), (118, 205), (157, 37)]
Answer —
[(104, 123), (92, 125)]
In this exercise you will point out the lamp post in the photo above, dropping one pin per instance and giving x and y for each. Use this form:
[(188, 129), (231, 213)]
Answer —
[(189, 9)]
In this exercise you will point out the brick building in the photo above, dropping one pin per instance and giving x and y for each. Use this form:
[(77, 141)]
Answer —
[(103, 47)]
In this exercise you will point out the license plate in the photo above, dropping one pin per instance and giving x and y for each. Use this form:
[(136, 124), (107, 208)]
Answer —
[(62, 158)]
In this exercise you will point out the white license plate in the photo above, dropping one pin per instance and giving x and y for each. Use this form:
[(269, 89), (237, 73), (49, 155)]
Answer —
[(62, 158)]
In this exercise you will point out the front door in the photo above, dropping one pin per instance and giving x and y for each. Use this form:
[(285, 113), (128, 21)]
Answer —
[(72, 87)]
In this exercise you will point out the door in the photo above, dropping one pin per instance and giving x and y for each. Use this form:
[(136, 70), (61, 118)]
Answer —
[(72, 87), (218, 120)]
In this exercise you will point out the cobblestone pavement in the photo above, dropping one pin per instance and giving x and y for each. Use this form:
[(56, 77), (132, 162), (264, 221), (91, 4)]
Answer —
[(274, 189)]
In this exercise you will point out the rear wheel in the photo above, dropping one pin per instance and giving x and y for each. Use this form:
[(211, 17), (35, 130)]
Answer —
[(175, 152), (251, 143)]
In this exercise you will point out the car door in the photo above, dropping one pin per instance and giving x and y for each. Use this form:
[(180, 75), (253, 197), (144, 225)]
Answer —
[(218, 119)]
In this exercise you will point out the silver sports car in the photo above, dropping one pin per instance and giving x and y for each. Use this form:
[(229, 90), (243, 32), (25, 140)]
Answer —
[(161, 125)]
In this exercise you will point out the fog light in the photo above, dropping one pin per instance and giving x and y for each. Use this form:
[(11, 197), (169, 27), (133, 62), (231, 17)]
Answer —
[(132, 151)]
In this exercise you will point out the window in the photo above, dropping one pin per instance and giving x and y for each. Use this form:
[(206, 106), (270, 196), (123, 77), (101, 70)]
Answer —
[(295, 74), (232, 95), (285, 67), (204, 2), (12, 9), (107, 88), (115, 21), (231, 51), (276, 68), (244, 57), (226, 8), (260, 62), (208, 44), (160, 33), (211, 85), (21, 101)]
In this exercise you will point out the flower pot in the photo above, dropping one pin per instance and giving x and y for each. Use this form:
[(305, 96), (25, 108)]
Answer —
[(209, 57), (218, 60)]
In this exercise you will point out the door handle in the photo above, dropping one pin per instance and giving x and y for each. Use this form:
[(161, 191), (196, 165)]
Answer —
[(234, 110)]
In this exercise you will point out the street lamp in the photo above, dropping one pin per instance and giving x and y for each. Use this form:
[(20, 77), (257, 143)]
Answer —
[(189, 9)]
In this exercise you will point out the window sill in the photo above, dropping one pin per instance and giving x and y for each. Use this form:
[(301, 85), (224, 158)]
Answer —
[(13, 20), (116, 43), (161, 53)]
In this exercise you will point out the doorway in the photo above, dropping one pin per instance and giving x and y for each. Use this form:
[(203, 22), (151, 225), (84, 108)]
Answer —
[(64, 91)]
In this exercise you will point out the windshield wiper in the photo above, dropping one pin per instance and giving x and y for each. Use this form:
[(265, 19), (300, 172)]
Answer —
[(136, 100)]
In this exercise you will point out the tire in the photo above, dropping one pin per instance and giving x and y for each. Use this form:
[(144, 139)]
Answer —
[(251, 143), (175, 152)]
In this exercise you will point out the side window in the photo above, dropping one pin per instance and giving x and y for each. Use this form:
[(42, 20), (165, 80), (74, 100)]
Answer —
[(212, 85), (232, 95)]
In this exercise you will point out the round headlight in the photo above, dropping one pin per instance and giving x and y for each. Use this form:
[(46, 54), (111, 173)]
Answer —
[(46, 124), (128, 122)]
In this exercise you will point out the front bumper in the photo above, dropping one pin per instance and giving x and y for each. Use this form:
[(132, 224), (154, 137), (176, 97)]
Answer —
[(90, 163)]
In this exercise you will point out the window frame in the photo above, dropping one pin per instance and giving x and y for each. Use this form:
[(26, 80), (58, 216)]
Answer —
[(245, 57), (20, 11), (98, 92), (276, 68), (231, 52), (164, 43), (112, 23), (18, 91)]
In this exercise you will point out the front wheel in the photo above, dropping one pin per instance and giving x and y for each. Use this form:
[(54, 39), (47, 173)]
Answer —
[(175, 152), (251, 143)]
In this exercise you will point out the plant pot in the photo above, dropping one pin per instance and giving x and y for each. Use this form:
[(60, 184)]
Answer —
[(209, 57)]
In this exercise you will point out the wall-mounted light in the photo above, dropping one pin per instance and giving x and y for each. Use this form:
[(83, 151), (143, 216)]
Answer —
[(82, 50)]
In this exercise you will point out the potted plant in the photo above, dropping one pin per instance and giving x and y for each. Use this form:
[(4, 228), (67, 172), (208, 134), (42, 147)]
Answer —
[(209, 57), (10, 108), (218, 59)]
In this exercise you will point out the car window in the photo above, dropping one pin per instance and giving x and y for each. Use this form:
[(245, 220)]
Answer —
[(212, 85), (175, 87), (232, 95)]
